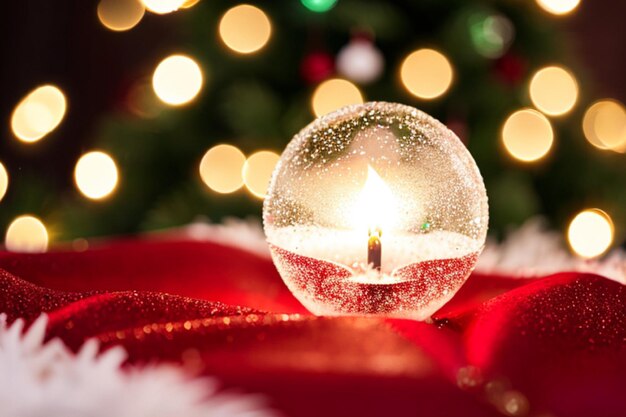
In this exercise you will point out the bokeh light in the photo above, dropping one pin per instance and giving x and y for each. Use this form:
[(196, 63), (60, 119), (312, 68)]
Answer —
[(553, 90), (426, 73), (163, 6), (604, 125), (527, 135), (257, 172), (558, 7), (120, 15), (38, 114), (245, 29), (96, 175), (491, 34), (189, 4), (177, 80), (319, 6), (221, 167), (4, 181), (26, 234), (333, 94), (590, 233)]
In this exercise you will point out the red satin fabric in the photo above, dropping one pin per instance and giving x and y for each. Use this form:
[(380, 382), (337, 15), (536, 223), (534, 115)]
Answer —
[(554, 345)]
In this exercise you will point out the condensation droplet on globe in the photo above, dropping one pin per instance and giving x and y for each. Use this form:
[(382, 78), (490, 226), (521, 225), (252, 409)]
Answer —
[(376, 208)]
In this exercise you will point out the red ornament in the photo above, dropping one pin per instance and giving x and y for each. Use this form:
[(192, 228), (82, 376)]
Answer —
[(316, 67), (511, 68)]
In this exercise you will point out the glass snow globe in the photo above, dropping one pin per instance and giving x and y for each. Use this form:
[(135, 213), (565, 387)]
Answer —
[(375, 209)]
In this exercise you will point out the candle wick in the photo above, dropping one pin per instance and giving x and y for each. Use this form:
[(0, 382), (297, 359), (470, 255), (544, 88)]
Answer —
[(374, 248)]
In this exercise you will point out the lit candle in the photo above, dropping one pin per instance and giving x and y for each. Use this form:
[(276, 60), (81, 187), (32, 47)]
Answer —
[(375, 249), (375, 207)]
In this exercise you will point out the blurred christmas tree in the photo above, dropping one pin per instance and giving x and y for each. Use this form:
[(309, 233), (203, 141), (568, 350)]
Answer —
[(250, 76)]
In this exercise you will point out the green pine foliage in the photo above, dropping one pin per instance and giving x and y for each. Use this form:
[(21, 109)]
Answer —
[(260, 101)]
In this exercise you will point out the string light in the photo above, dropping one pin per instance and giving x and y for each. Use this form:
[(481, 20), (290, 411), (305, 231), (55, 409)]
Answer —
[(4, 181), (604, 125), (38, 114), (257, 172), (245, 29), (553, 90), (558, 7), (590, 233), (26, 234), (333, 94), (221, 167), (177, 80), (426, 73), (96, 175), (527, 135), (319, 6), (189, 4), (163, 6), (120, 15)]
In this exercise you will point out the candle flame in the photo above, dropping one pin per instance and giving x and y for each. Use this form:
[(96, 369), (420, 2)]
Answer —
[(375, 210)]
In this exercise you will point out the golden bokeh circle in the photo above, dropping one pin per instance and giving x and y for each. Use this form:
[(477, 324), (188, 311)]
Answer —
[(96, 175), (527, 135), (120, 15), (38, 114), (4, 181), (553, 90), (426, 73), (558, 7), (590, 233), (333, 94), (245, 29), (26, 234), (177, 80), (257, 172), (220, 168), (604, 125)]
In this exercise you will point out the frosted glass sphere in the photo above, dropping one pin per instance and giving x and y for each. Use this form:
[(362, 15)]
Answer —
[(375, 208)]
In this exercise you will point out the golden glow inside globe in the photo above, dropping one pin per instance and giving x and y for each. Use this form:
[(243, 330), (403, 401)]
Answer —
[(120, 15), (26, 234), (4, 181), (558, 7), (426, 73), (553, 90), (590, 233), (245, 29), (96, 175), (333, 94), (38, 114), (177, 80), (163, 6), (604, 125), (220, 168), (527, 135), (257, 172)]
